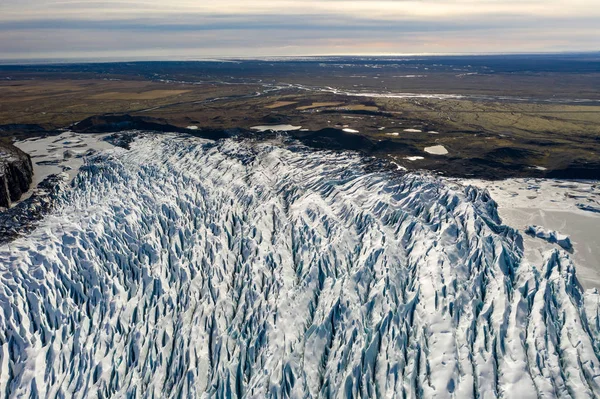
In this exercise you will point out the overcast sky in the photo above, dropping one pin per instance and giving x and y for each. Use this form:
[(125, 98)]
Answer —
[(142, 29)]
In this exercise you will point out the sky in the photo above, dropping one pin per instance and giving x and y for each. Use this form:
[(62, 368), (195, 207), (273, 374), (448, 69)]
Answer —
[(196, 29)]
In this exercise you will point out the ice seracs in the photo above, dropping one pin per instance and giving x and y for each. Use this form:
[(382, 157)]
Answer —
[(552, 237), (189, 268)]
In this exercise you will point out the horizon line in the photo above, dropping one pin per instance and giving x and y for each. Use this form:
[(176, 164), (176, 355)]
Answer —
[(275, 58)]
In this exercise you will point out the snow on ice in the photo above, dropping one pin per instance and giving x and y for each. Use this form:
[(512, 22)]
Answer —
[(551, 236)]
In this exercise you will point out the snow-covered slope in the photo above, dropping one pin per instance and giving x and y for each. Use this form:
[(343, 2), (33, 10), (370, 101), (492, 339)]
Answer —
[(186, 268)]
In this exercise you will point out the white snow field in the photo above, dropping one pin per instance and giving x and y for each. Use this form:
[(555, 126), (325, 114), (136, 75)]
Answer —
[(186, 268)]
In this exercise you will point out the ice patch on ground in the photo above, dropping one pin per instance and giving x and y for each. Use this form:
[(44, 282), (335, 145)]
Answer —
[(276, 128), (436, 150)]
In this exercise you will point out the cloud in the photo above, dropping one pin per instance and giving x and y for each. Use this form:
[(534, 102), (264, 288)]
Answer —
[(36, 28), (386, 9)]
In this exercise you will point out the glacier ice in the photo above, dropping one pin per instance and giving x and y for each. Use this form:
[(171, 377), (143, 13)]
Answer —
[(188, 268), (553, 237)]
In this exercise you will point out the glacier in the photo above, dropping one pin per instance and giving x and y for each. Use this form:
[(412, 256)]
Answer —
[(183, 267), (551, 236)]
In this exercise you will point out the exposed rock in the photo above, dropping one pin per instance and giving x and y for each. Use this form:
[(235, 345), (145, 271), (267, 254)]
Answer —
[(276, 119), (578, 169), (334, 139), (122, 140), (19, 128), (23, 217), (16, 174), (117, 123)]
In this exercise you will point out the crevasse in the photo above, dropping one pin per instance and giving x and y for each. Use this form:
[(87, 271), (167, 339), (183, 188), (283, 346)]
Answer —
[(187, 268)]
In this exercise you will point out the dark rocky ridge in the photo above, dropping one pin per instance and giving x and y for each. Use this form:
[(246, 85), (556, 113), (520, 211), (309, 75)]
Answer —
[(501, 163), (20, 128), (22, 218), (16, 174), (118, 123)]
